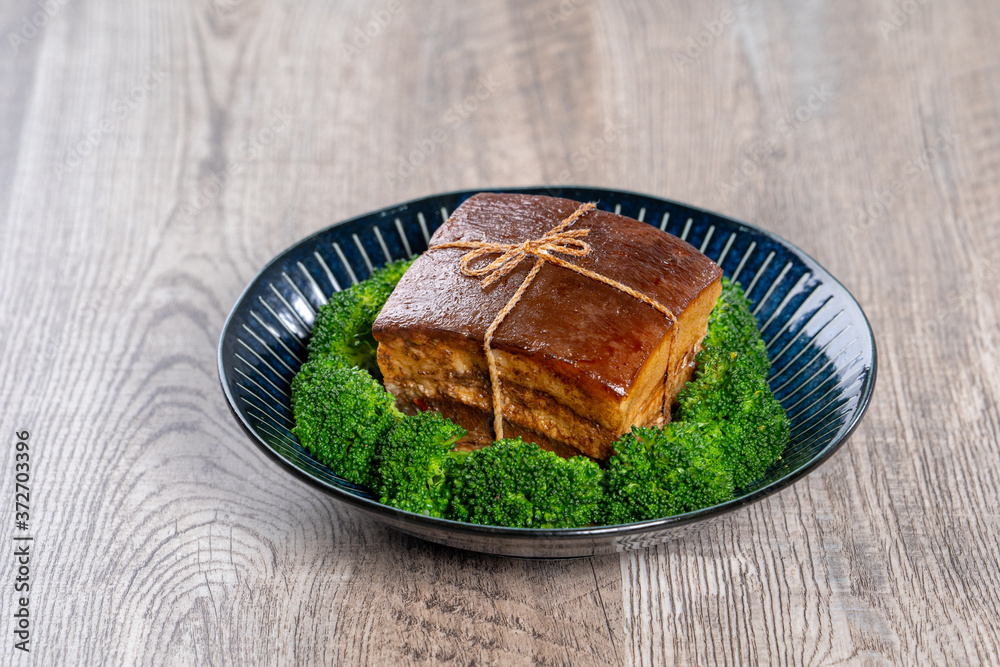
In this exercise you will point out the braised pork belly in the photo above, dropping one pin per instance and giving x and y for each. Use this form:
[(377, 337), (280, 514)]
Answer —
[(579, 361)]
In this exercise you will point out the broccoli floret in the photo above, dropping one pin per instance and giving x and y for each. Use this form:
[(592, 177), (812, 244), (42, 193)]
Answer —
[(730, 390), (376, 289), (753, 426), (341, 415), (518, 484), (343, 330), (656, 473), (415, 462), (343, 327), (732, 327)]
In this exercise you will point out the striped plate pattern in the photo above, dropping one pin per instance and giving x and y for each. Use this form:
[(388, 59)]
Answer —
[(820, 343)]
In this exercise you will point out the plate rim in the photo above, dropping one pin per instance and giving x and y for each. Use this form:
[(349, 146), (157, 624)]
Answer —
[(618, 530)]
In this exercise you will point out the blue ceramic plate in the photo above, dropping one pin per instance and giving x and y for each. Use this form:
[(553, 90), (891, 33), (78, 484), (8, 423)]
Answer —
[(820, 342)]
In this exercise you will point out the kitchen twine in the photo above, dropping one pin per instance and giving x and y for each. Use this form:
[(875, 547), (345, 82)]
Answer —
[(556, 240)]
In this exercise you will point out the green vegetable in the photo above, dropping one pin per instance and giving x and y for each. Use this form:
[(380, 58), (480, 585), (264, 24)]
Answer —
[(728, 429), (376, 289), (342, 414), (753, 426), (343, 327), (732, 327), (730, 390), (660, 472), (518, 484), (415, 463)]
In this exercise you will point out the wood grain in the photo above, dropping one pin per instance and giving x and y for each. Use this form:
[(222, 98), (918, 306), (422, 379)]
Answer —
[(156, 155)]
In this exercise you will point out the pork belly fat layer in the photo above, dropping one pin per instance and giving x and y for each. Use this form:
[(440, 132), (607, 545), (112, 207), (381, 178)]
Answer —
[(580, 362), (450, 375)]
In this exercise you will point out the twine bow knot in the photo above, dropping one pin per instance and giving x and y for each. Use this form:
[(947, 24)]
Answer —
[(557, 240), (568, 243)]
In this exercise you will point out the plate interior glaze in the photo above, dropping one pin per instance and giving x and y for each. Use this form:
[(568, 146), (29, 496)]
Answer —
[(821, 346)]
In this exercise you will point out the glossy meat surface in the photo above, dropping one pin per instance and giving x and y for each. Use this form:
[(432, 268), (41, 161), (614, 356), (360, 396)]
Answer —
[(600, 335)]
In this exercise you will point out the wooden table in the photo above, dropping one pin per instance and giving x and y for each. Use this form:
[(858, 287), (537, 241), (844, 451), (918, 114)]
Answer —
[(156, 154)]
